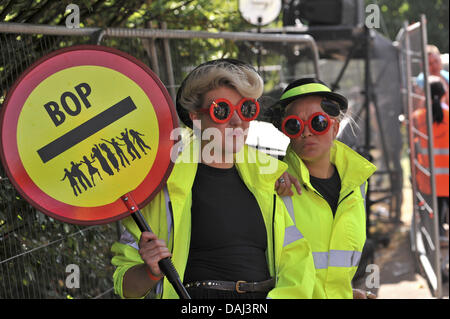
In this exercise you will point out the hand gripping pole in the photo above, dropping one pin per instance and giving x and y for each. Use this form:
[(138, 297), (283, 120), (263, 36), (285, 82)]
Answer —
[(165, 264)]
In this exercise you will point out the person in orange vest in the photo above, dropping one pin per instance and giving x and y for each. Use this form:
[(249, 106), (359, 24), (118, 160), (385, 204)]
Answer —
[(440, 148), (436, 70)]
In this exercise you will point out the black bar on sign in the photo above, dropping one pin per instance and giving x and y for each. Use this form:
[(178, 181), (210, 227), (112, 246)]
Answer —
[(82, 132)]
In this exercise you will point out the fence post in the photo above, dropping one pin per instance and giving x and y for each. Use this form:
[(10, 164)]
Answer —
[(150, 47), (426, 84), (168, 57)]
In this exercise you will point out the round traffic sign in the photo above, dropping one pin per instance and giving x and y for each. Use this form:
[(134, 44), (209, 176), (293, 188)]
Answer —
[(83, 126)]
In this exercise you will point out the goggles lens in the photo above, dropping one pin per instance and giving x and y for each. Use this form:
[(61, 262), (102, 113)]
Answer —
[(221, 110), (318, 123), (330, 107), (249, 109), (293, 126)]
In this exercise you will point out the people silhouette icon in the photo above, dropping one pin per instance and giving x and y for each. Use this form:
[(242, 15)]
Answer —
[(138, 140), (130, 146), (72, 180), (77, 173), (91, 169)]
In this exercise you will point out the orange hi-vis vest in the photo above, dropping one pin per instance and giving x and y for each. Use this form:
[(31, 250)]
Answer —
[(440, 151)]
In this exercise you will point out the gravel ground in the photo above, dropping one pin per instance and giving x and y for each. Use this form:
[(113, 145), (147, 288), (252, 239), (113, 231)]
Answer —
[(399, 273)]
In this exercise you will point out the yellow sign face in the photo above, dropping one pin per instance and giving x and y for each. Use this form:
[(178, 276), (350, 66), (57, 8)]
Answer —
[(87, 135)]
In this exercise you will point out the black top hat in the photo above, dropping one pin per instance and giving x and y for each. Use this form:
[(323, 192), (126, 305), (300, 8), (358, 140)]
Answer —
[(311, 86)]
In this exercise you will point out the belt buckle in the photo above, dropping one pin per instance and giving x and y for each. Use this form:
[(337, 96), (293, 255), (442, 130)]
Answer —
[(237, 286)]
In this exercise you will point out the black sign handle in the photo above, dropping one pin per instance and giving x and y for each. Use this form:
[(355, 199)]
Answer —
[(165, 264)]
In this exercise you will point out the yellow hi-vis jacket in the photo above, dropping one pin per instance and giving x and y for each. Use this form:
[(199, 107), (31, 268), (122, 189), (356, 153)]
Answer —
[(288, 253), (336, 242)]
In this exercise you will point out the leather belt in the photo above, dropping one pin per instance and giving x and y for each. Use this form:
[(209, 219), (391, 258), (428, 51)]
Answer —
[(239, 286)]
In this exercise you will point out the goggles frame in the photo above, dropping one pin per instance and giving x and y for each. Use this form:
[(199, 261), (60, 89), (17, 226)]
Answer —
[(306, 123), (237, 108)]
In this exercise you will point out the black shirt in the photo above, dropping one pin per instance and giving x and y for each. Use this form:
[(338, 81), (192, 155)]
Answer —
[(228, 237), (329, 188)]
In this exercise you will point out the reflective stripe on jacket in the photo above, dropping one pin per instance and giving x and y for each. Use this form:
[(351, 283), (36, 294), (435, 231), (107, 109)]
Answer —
[(440, 151), (336, 242), (288, 254)]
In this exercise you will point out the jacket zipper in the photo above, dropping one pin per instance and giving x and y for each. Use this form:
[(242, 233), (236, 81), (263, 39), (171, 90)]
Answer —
[(327, 202), (273, 239), (345, 197), (173, 226), (305, 186)]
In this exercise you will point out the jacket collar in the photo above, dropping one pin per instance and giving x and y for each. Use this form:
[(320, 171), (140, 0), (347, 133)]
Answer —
[(353, 169), (257, 169)]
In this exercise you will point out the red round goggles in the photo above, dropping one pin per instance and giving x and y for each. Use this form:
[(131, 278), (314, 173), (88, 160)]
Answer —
[(221, 110), (318, 123)]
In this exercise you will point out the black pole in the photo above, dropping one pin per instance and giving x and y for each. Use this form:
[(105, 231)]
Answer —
[(367, 135), (258, 57), (165, 264), (335, 85)]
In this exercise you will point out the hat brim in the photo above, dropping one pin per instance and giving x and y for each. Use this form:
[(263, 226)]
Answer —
[(341, 100)]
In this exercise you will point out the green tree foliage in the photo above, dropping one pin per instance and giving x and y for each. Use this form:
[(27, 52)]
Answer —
[(196, 15), (395, 12), (187, 14), (212, 15)]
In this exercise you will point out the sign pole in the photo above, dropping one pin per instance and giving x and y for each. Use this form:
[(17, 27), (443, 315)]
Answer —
[(165, 264)]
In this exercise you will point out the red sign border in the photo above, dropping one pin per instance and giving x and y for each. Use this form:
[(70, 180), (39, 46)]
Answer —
[(73, 214)]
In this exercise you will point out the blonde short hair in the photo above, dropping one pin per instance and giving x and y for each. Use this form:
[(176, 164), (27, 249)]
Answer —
[(432, 49), (214, 74)]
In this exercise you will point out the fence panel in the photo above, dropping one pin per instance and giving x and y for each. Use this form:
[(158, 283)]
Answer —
[(424, 225), (37, 253)]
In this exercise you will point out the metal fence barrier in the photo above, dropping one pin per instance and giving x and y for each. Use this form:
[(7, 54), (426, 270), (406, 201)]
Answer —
[(425, 242)]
